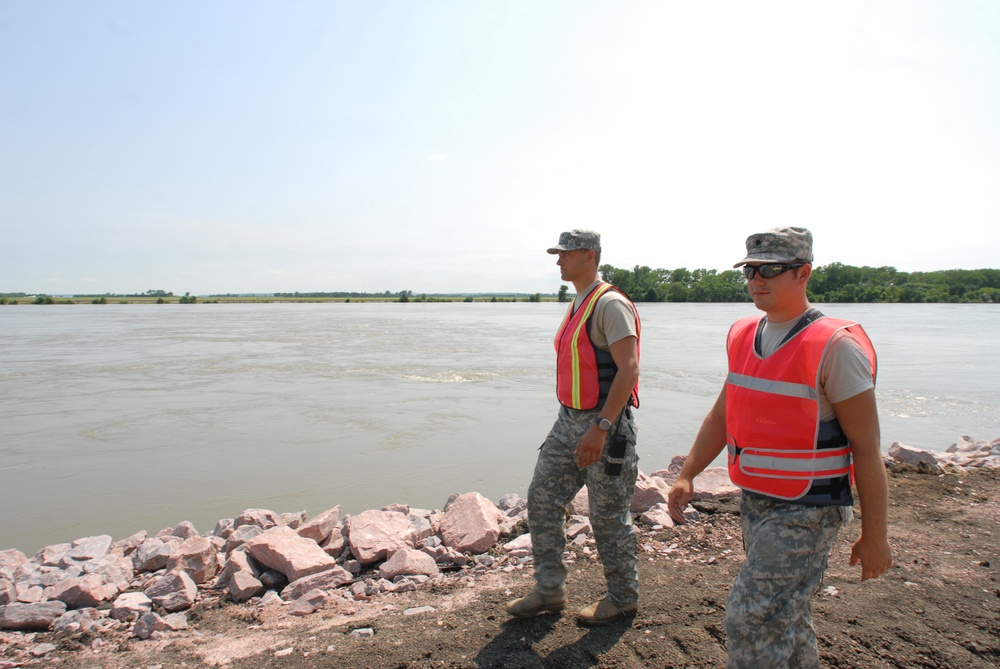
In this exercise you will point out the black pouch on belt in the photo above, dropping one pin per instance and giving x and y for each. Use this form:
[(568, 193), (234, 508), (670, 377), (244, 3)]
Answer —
[(616, 454)]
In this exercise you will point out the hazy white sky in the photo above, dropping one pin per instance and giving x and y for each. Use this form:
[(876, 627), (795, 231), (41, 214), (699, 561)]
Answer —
[(442, 146)]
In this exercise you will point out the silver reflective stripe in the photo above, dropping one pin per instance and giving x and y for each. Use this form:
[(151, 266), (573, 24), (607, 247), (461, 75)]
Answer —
[(774, 387), (818, 464)]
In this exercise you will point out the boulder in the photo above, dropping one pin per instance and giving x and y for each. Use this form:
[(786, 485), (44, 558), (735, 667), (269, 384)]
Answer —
[(908, 455), (172, 622), (580, 504), (173, 591), (50, 556), (8, 591), (711, 483), (293, 520), (88, 548), (658, 515), (308, 603), (334, 544), (262, 518), (12, 559), (223, 528), (324, 580), (649, 491), (970, 446), (145, 626), (184, 530), (198, 557), (407, 562), (115, 570), (512, 504), (322, 526), (28, 592), (243, 585), (523, 542), (240, 535), (578, 525), (294, 556), (374, 535), (131, 606), (127, 546), (714, 483), (82, 591), (470, 523), (82, 620), (30, 617), (152, 554)]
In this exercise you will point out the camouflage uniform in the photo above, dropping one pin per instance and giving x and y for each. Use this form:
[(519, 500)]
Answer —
[(769, 615), (557, 479)]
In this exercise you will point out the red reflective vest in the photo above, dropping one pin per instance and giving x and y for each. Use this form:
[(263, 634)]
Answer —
[(772, 410), (584, 373)]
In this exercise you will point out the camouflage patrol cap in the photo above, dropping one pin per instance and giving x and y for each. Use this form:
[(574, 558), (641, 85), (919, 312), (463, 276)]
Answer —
[(578, 239), (783, 245)]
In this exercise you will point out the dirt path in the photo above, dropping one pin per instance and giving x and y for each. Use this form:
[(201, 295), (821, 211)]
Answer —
[(939, 606)]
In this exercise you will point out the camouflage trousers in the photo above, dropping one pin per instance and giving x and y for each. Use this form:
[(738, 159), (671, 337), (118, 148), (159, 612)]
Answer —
[(769, 613), (555, 483)]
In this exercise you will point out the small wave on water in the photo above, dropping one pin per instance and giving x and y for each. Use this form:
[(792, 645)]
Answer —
[(449, 377)]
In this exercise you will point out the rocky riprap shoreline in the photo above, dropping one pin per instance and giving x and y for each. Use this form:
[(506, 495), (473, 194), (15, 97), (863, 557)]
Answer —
[(142, 587)]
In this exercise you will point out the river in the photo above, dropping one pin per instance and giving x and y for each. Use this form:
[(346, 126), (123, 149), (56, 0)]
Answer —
[(118, 418)]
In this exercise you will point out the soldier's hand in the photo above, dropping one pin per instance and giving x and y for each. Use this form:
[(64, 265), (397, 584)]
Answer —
[(874, 555), (678, 498), (591, 445)]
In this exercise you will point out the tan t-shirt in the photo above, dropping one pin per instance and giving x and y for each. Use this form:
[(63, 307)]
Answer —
[(613, 318)]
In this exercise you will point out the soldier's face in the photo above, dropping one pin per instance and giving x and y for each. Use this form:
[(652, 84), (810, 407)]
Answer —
[(573, 264)]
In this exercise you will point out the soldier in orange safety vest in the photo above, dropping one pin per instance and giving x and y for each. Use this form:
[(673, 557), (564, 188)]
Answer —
[(592, 442), (798, 419)]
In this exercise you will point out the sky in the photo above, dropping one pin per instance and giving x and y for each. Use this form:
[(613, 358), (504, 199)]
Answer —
[(435, 146)]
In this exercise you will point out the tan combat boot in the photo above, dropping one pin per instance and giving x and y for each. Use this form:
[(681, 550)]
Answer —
[(535, 603), (604, 612)]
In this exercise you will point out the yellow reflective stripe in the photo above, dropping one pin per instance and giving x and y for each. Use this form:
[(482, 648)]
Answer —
[(587, 309)]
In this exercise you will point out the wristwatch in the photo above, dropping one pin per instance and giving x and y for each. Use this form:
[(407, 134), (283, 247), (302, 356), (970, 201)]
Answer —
[(603, 423)]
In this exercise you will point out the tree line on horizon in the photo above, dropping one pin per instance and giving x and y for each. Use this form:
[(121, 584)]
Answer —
[(835, 282)]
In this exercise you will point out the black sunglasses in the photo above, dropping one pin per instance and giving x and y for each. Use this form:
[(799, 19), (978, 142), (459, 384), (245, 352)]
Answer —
[(767, 271)]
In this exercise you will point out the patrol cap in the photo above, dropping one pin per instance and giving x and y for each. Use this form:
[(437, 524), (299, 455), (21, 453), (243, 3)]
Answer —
[(784, 245), (578, 239)]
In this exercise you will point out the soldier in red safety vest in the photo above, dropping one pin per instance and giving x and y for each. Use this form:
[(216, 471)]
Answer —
[(592, 442), (798, 419)]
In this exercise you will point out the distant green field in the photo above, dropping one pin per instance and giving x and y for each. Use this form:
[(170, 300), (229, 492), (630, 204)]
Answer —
[(238, 299)]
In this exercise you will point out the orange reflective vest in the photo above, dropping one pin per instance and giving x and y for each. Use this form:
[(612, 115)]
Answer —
[(777, 444), (584, 373)]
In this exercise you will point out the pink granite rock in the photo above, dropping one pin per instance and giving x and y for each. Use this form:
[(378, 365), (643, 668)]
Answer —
[(262, 518), (131, 606), (911, 456), (374, 535), (198, 557), (174, 591), (82, 591), (88, 548), (322, 526), (324, 580), (243, 585), (471, 523), (12, 559), (30, 617), (649, 491), (407, 562), (580, 505), (282, 549)]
